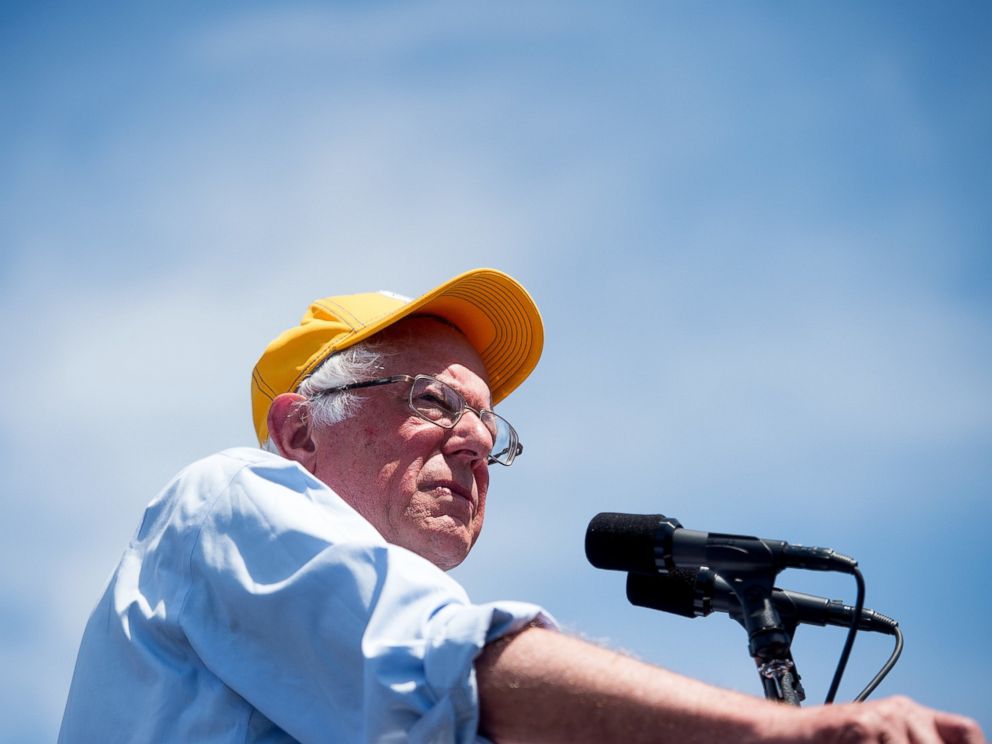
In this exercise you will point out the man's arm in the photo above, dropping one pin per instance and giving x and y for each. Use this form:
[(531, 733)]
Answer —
[(542, 686)]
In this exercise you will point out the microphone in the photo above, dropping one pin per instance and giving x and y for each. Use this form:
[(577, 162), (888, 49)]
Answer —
[(648, 543), (693, 593)]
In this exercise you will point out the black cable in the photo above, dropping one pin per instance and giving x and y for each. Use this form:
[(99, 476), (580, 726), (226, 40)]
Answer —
[(845, 653), (886, 668)]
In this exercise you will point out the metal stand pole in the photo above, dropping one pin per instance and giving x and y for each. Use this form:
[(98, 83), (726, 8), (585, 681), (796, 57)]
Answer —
[(769, 639)]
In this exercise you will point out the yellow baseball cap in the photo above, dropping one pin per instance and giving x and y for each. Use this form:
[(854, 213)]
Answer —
[(496, 314)]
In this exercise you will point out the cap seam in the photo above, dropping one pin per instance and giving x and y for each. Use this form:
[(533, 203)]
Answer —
[(331, 306), (263, 387)]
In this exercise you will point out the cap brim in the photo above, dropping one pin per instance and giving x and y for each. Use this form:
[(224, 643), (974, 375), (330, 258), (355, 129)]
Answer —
[(497, 316)]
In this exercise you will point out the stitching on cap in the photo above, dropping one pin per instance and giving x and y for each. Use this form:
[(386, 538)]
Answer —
[(502, 358), (376, 319), (324, 351), (512, 355), (340, 310), (358, 326), (510, 322), (263, 387)]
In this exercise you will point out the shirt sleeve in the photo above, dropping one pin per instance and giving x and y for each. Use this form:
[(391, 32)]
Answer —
[(296, 603)]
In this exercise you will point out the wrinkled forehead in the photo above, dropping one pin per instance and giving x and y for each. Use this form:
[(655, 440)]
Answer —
[(433, 346)]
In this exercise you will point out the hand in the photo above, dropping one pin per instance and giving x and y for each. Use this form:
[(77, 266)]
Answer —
[(895, 720)]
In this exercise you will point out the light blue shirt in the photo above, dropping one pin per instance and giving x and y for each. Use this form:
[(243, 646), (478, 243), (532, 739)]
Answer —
[(254, 605)]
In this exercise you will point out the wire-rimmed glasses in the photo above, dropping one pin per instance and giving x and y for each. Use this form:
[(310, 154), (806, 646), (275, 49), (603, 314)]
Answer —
[(439, 403)]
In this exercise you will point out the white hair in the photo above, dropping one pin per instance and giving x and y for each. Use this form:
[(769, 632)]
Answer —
[(357, 363)]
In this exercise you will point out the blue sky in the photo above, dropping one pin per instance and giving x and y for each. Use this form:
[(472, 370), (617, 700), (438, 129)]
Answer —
[(759, 235)]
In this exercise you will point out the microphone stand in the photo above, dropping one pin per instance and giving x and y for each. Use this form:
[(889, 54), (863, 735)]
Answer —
[(769, 638)]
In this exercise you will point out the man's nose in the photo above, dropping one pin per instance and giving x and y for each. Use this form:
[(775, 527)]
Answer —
[(471, 435)]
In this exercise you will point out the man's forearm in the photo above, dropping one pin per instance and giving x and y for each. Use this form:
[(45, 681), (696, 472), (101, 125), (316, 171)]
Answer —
[(543, 686), (546, 686)]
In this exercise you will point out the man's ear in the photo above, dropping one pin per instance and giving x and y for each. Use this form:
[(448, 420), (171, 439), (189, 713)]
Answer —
[(289, 428)]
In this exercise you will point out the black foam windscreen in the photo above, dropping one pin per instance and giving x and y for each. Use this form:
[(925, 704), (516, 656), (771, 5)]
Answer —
[(673, 591), (623, 542)]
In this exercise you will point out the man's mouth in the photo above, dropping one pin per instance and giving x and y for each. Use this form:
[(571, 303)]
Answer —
[(455, 490)]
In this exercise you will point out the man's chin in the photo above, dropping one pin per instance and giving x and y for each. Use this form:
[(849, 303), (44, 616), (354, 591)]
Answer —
[(447, 549)]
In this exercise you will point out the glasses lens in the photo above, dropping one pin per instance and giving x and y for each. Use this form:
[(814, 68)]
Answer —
[(443, 405), (436, 401), (504, 438)]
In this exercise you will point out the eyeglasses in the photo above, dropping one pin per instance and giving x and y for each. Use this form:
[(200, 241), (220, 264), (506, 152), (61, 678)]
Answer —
[(439, 403)]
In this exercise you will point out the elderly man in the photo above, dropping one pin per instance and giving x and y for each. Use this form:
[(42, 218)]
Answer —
[(298, 592)]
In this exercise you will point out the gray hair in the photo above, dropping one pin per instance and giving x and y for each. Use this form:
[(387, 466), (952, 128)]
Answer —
[(357, 363)]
